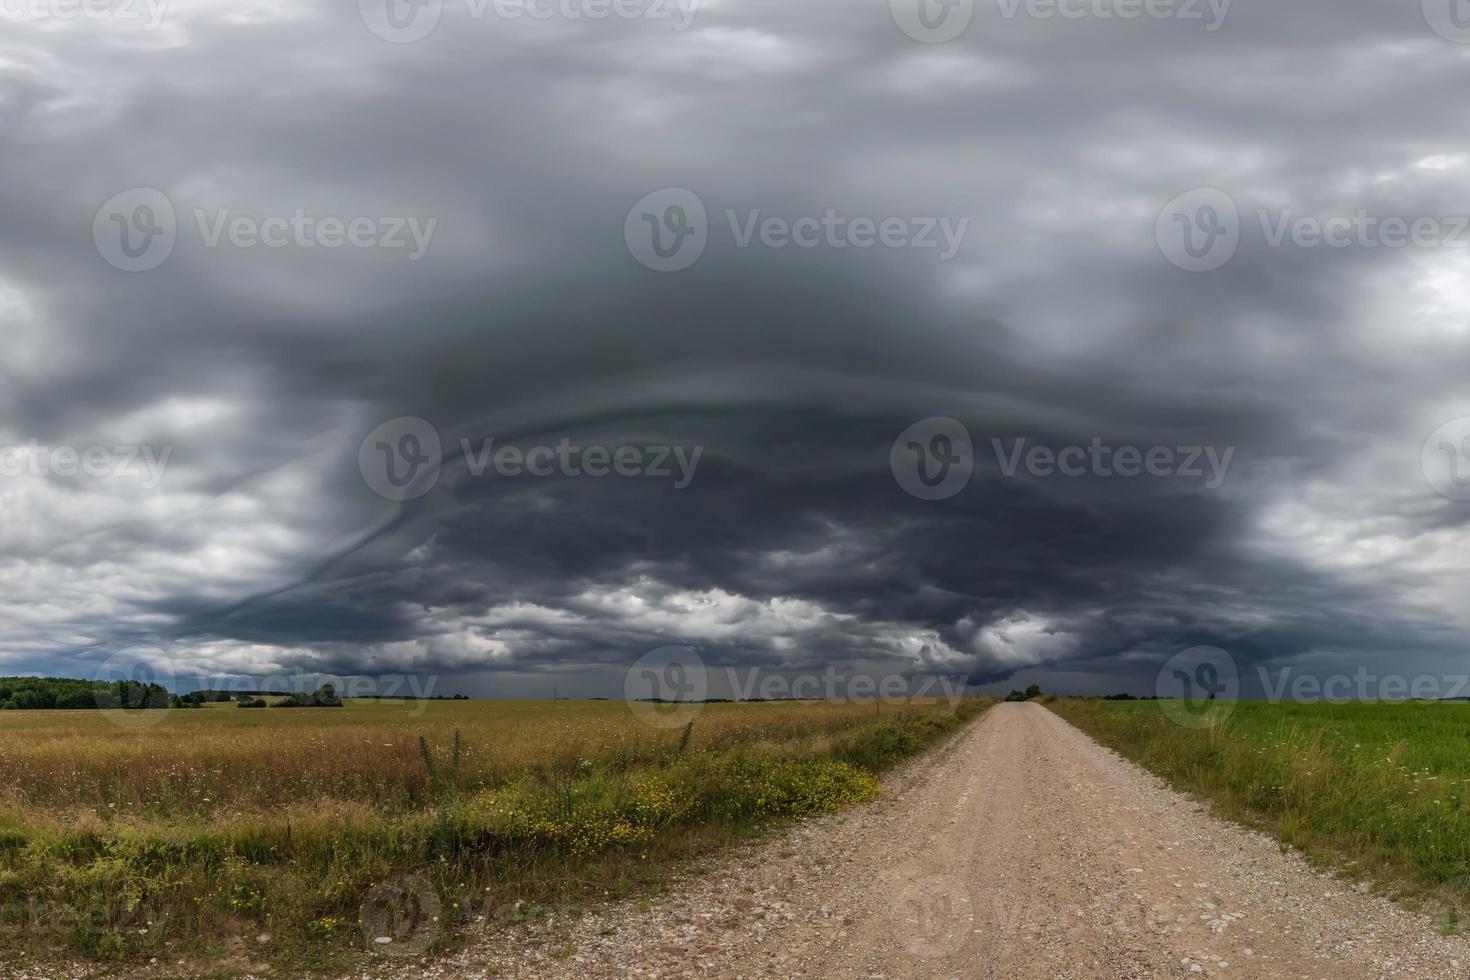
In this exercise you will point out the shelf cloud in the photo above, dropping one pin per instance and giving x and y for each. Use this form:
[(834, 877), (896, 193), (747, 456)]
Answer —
[(512, 351)]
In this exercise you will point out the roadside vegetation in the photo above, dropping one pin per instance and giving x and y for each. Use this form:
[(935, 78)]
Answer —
[(1373, 789), (303, 837)]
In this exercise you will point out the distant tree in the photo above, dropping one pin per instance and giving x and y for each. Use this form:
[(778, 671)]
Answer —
[(324, 697)]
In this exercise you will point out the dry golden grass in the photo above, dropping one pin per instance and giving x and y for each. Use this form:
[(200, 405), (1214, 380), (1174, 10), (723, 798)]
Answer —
[(222, 757), (220, 820)]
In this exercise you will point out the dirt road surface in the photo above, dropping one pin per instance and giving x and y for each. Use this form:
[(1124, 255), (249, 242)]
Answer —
[(1020, 850)]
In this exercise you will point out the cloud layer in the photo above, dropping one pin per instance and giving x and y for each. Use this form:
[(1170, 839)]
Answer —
[(1060, 321)]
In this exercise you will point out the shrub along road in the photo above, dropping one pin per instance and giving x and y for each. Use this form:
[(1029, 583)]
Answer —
[(1020, 850)]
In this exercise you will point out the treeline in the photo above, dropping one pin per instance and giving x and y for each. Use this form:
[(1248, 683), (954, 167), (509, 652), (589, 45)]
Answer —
[(40, 693), (218, 695), (43, 693)]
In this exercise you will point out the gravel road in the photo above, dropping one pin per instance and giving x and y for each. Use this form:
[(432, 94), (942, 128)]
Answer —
[(1020, 850)]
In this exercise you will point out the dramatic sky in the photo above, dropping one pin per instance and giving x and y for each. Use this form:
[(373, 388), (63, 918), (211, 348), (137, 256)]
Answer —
[(520, 148)]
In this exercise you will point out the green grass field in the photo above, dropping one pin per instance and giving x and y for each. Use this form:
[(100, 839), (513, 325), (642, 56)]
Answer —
[(1375, 789), (194, 832)]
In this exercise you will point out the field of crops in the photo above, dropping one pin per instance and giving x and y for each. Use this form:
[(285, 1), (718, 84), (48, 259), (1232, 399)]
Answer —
[(1381, 789), (198, 832)]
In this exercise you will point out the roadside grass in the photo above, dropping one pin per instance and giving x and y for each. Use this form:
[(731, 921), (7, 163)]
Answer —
[(196, 836), (1373, 790)]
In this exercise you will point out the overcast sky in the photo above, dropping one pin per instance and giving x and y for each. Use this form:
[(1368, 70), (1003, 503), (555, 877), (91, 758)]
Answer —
[(242, 236)]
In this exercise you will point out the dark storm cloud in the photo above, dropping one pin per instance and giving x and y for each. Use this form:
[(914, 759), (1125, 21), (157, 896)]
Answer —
[(1059, 321)]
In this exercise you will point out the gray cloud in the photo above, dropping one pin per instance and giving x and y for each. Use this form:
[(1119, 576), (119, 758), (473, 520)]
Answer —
[(528, 320)]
